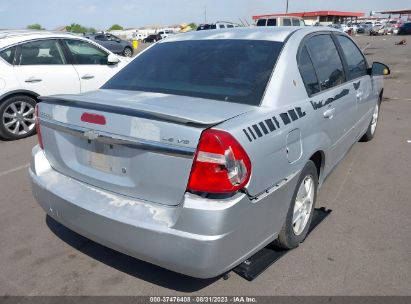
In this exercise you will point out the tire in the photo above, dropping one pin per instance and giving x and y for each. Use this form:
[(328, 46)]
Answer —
[(17, 117), (369, 135), (294, 231), (128, 52)]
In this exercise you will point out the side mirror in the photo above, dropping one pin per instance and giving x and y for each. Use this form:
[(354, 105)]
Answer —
[(118, 40), (379, 69), (112, 59)]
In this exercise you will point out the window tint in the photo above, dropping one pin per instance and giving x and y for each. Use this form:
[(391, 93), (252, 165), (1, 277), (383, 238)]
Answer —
[(101, 37), (307, 72), (8, 54), (41, 52), (231, 70), (111, 37), (86, 53), (287, 22), (357, 66), (296, 22), (271, 22), (326, 61), (261, 22)]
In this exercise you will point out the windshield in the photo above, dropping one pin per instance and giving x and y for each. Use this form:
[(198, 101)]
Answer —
[(227, 70)]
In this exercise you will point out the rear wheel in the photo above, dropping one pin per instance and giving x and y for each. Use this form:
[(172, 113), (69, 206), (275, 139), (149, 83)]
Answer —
[(17, 117), (369, 135), (128, 52), (301, 209)]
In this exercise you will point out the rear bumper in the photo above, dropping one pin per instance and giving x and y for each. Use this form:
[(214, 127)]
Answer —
[(201, 238)]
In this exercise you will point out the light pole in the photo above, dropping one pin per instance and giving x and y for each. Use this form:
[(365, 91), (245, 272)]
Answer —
[(205, 14), (286, 7)]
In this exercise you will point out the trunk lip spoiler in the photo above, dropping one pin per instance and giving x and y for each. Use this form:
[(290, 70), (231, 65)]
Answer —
[(87, 105), (110, 138)]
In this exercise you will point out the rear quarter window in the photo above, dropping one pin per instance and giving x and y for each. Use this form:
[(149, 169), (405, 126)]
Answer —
[(307, 72), (8, 54)]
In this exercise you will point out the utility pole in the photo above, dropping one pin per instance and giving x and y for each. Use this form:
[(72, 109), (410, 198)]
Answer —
[(286, 7), (205, 14)]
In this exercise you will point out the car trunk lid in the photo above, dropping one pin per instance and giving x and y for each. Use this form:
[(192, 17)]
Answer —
[(144, 146)]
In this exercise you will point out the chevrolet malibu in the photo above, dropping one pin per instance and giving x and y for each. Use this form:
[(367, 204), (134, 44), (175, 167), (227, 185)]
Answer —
[(208, 146)]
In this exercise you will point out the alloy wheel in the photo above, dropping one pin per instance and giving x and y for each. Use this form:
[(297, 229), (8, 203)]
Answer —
[(18, 118), (374, 118), (303, 204)]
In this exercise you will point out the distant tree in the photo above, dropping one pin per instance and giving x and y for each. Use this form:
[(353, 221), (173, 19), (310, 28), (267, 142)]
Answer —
[(116, 27), (77, 28), (35, 26), (193, 25)]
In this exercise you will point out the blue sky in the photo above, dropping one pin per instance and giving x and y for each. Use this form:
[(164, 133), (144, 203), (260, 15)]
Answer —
[(135, 13)]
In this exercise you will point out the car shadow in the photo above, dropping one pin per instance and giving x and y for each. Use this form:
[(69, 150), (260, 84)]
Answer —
[(127, 264)]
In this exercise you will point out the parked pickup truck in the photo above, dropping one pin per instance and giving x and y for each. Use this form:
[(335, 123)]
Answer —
[(206, 148)]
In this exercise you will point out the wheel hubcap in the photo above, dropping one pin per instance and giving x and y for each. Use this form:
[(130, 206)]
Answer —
[(128, 53), (303, 204), (374, 119), (18, 118)]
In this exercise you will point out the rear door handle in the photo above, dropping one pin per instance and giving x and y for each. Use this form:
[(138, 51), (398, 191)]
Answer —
[(87, 76), (33, 80), (329, 113)]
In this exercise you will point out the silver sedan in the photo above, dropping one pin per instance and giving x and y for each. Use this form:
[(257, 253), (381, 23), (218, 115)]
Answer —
[(208, 146)]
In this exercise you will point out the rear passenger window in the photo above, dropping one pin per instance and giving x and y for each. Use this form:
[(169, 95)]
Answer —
[(101, 37), (357, 66), (296, 22), (287, 22), (42, 52), (261, 22), (308, 73), (8, 54), (326, 60), (272, 22), (222, 26)]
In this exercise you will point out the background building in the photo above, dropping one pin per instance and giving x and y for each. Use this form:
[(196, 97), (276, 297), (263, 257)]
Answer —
[(320, 17)]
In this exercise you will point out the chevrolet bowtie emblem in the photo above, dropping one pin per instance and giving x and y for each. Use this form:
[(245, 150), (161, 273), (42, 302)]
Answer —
[(90, 134)]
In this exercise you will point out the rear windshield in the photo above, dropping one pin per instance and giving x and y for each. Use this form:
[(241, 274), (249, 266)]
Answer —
[(226, 69)]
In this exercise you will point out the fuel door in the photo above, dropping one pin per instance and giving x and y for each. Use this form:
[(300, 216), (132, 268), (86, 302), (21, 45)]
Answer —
[(294, 146)]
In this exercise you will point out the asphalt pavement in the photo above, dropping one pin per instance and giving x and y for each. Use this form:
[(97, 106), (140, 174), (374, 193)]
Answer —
[(362, 248)]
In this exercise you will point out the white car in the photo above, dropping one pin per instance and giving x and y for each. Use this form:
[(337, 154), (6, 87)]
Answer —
[(345, 28), (41, 63), (166, 33)]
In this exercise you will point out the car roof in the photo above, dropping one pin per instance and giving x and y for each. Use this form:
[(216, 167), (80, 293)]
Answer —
[(274, 33), (10, 37)]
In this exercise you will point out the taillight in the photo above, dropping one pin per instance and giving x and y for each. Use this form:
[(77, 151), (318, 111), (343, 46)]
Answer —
[(220, 165), (37, 123), (93, 118)]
